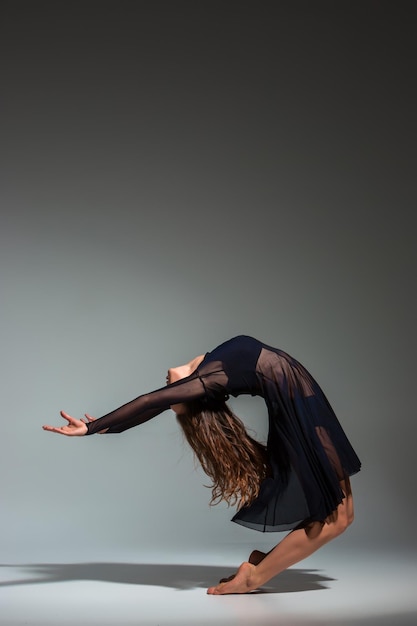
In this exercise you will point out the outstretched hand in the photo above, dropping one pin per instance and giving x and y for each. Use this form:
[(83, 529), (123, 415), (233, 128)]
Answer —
[(74, 428)]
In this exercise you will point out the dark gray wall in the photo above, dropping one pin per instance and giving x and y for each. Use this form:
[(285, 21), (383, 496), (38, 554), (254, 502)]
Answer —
[(176, 173)]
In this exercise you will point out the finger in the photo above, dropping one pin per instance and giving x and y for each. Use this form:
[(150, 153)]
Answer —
[(89, 417), (71, 420), (54, 429)]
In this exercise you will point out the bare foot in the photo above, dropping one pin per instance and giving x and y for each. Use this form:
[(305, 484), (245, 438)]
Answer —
[(241, 582), (255, 557)]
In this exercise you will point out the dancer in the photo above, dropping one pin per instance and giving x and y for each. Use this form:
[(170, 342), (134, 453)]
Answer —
[(298, 481)]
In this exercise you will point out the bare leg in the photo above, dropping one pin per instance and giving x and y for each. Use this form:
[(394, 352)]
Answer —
[(297, 545)]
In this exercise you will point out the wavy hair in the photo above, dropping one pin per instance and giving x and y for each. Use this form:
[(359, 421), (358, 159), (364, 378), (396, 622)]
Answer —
[(235, 462)]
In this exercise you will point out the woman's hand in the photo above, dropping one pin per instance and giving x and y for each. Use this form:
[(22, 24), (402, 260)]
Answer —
[(74, 428)]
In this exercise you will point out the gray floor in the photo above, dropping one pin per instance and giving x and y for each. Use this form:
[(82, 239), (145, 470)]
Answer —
[(341, 588)]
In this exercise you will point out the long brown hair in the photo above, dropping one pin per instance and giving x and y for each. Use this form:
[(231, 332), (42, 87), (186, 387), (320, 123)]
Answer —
[(235, 462)]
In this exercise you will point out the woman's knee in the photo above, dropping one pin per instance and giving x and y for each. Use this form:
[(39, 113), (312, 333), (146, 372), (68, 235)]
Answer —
[(343, 522), (343, 519), (345, 510)]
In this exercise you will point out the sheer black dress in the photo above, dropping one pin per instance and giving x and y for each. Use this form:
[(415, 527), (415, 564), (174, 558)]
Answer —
[(308, 451)]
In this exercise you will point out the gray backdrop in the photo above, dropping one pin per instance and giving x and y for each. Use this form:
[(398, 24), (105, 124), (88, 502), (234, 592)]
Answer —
[(173, 174)]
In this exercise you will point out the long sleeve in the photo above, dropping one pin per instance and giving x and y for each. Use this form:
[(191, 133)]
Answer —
[(148, 405)]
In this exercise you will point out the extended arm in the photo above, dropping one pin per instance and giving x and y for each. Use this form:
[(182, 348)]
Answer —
[(135, 412), (148, 405), (208, 382)]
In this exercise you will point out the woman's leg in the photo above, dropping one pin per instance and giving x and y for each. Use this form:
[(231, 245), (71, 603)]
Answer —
[(296, 546)]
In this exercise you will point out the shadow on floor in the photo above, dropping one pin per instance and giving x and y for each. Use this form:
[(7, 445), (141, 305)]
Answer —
[(171, 575)]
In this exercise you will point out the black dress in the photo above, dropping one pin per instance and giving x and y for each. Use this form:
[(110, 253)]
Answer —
[(308, 451)]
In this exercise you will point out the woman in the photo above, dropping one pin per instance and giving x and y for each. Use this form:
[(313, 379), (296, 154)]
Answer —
[(299, 481)]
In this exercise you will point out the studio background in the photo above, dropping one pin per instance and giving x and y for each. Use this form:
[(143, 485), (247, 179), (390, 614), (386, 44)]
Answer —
[(174, 174)]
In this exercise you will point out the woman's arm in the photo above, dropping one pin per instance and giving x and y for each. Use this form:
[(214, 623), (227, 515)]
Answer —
[(137, 411), (149, 405)]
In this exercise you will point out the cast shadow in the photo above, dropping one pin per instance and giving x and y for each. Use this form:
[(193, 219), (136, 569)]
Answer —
[(175, 576)]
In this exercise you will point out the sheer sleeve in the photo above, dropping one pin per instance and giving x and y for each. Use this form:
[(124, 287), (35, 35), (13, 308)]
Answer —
[(151, 404)]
